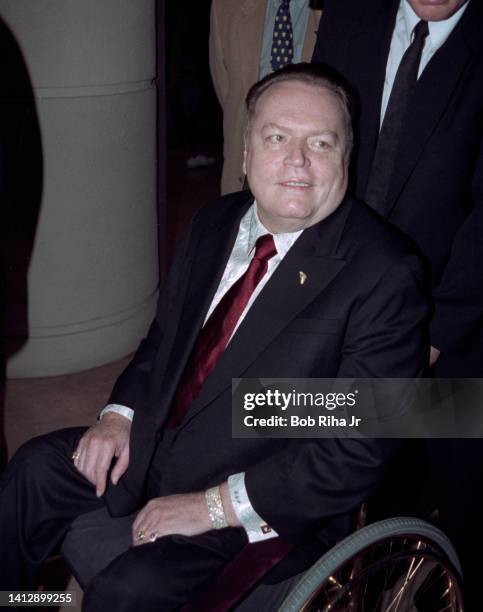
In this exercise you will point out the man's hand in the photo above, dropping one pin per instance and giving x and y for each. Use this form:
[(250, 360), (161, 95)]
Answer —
[(433, 355), (99, 445), (185, 514)]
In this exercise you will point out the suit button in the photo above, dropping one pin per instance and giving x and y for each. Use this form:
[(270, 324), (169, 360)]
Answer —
[(159, 436)]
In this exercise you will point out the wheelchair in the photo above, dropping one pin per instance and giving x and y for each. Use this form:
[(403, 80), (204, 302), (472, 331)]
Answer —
[(399, 564), (391, 561)]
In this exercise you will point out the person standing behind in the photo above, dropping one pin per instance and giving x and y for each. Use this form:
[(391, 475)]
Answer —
[(417, 69), (248, 39)]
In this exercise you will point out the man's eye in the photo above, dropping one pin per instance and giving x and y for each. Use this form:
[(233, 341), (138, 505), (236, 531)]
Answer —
[(275, 138), (321, 145)]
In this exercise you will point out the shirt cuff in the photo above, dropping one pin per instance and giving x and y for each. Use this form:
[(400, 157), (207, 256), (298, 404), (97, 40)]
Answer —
[(118, 409), (256, 528)]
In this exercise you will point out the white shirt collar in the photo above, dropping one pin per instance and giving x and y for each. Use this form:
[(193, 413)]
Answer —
[(277, 3), (438, 30), (253, 228)]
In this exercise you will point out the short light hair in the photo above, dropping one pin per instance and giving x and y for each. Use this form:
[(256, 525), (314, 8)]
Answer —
[(318, 75)]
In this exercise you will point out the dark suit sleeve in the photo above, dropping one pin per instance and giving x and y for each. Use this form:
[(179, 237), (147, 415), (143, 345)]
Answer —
[(312, 480), (332, 19), (458, 297), (386, 336), (133, 384)]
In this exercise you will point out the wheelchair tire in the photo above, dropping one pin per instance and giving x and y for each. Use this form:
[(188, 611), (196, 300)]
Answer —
[(399, 529)]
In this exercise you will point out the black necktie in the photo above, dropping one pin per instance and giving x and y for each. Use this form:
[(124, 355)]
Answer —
[(392, 126), (282, 43)]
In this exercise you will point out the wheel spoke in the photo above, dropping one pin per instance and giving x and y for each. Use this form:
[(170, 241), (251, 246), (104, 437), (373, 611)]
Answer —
[(379, 581), (396, 565)]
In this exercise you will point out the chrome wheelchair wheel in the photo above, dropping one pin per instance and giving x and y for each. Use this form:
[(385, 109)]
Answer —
[(396, 565)]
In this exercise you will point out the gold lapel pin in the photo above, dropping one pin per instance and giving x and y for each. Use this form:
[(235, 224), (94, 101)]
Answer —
[(303, 277)]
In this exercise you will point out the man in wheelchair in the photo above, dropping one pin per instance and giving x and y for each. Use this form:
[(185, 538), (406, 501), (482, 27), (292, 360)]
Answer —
[(293, 278)]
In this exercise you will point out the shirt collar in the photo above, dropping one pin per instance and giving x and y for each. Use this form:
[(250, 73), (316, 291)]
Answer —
[(276, 3), (254, 227), (438, 30)]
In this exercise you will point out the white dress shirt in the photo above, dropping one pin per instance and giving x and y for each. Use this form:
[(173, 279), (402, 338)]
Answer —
[(402, 36), (249, 231)]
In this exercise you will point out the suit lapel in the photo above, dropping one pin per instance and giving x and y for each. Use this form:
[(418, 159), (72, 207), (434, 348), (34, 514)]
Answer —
[(210, 256), (432, 95), (280, 301), (252, 19), (374, 38)]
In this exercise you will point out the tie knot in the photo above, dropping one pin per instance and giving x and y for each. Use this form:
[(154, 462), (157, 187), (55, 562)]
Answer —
[(285, 3), (421, 30), (265, 248)]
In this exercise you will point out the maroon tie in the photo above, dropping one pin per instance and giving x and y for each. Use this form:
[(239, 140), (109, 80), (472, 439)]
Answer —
[(217, 331)]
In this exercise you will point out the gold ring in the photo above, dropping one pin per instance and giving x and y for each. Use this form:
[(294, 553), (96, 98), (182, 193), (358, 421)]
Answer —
[(140, 536), (75, 455)]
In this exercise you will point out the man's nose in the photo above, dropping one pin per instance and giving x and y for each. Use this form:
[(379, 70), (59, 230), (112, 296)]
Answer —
[(296, 154)]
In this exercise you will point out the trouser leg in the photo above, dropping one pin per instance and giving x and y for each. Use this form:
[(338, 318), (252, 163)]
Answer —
[(41, 492), (163, 575), (94, 540), (457, 474)]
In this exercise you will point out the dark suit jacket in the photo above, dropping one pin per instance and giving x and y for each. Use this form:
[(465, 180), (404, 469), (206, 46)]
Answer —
[(360, 313), (436, 195)]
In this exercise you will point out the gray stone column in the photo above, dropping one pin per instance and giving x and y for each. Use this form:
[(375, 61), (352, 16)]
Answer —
[(92, 277)]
